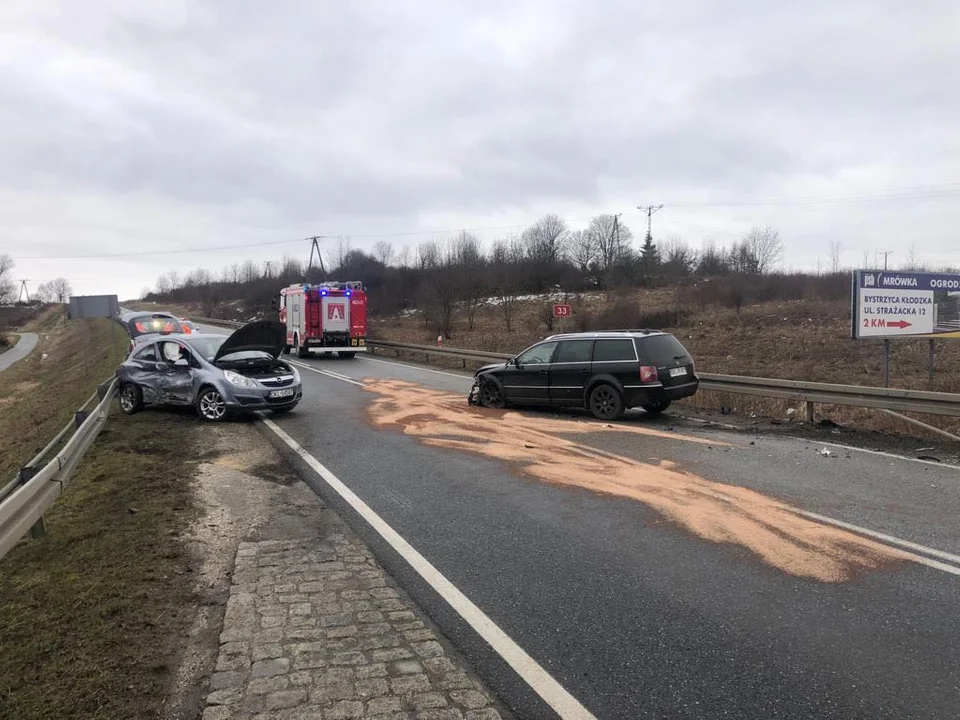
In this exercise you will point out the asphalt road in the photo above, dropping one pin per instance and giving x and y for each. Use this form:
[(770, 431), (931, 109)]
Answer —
[(642, 607), (28, 341)]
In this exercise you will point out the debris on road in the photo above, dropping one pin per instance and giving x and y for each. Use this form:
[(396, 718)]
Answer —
[(826, 453)]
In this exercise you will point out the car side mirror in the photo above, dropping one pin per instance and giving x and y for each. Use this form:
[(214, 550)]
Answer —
[(515, 361)]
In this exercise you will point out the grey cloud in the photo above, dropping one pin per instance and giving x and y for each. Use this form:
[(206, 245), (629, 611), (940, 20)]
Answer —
[(377, 114)]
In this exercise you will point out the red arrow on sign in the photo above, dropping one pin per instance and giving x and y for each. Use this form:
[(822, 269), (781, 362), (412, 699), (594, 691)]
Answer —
[(899, 324)]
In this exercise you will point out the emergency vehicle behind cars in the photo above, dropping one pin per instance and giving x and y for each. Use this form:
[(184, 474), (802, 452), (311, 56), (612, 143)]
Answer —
[(325, 318)]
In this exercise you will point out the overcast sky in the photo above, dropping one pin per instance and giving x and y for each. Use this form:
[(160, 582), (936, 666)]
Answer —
[(132, 128)]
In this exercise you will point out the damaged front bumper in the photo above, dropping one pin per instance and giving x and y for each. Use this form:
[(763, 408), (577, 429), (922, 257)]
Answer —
[(474, 397)]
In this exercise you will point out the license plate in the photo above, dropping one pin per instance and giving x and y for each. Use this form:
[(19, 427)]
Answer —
[(281, 393), (678, 372)]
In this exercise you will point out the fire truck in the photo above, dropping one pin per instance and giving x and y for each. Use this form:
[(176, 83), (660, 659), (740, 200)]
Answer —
[(328, 318)]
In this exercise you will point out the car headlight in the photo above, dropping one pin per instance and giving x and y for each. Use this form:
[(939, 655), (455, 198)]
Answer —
[(296, 374), (235, 378)]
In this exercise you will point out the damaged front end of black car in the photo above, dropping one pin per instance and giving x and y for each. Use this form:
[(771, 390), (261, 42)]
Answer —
[(487, 390)]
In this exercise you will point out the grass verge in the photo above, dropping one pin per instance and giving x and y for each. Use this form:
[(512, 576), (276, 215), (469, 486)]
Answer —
[(39, 395), (93, 612)]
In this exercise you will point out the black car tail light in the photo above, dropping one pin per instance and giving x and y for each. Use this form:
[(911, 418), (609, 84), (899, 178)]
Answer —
[(648, 373)]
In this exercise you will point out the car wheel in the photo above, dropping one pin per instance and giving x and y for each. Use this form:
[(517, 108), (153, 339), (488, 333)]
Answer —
[(347, 355), (286, 349), (657, 407), (131, 399), (211, 406), (606, 403), (300, 352), (491, 395)]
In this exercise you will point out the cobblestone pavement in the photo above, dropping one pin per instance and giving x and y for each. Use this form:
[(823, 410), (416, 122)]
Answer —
[(315, 629)]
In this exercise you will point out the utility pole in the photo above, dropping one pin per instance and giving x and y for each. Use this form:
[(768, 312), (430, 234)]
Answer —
[(314, 245), (885, 254), (23, 291), (268, 268), (649, 210)]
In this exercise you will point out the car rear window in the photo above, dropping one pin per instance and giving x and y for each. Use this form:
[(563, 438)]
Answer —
[(663, 349), (613, 350), (149, 324), (572, 351)]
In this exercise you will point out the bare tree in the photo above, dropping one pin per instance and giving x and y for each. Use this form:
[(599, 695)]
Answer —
[(509, 267), (428, 254), (44, 292), (291, 268), (403, 258), (611, 239), (912, 262), (249, 271), (835, 256), (383, 252), (7, 286), (61, 290), (545, 239), (765, 245), (583, 250), (441, 281), (341, 251), (677, 258), (470, 267)]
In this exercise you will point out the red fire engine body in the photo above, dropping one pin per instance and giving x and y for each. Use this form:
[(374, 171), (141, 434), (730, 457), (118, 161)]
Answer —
[(330, 317)]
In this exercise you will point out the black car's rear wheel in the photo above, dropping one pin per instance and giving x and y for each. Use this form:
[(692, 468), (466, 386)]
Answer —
[(131, 399), (657, 407), (211, 406), (605, 402), (491, 395)]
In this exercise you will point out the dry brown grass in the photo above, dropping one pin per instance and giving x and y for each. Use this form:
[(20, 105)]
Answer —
[(94, 612), (39, 395)]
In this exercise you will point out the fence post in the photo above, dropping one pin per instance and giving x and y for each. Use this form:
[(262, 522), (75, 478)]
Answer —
[(38, 529), (79, 416), (809, 411)]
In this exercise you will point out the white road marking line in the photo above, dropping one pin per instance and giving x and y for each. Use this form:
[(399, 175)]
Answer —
[(460, 376), (333, 375), (539, 680), (881, 453), (897, 542)]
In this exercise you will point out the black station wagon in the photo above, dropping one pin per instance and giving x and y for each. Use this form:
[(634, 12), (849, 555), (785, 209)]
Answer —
[(605, 372)]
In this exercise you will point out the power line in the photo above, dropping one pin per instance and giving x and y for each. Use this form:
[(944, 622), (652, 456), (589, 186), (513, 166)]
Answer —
[(218, 248)]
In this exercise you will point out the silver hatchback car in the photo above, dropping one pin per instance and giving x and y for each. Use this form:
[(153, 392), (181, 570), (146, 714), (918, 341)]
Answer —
[(217, 374)]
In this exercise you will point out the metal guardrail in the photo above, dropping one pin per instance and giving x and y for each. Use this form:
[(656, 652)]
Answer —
[(895, 399), (24, 501)]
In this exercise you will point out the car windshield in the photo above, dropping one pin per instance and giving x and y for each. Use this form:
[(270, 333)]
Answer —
[(207, 347)]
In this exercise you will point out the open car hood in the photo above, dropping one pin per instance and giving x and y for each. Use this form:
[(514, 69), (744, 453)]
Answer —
[(269, 336)]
